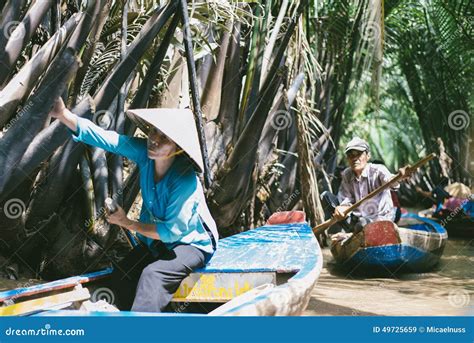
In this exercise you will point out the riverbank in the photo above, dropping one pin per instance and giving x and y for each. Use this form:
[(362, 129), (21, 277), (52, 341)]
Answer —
[(446, 291)]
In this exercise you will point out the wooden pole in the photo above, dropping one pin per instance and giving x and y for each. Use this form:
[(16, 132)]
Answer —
[(328, 223), (111, 206), (194, 91)]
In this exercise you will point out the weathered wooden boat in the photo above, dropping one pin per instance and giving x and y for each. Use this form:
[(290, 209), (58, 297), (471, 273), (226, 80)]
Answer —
[(269, 270), (415, 244), (459, 222), (458, 225)]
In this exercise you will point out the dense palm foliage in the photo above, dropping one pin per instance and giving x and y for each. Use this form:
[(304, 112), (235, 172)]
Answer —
[(426, 99), (280, 85)]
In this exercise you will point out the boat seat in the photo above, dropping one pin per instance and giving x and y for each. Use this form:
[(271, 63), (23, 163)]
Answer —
[(381, 232), (286, 217), (246, 261)]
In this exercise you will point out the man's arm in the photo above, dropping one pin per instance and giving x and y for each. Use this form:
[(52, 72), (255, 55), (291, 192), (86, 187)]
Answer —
[(386, 175), (345, 197)]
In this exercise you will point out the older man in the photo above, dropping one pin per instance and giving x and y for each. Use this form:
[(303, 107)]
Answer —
[(358, 180)]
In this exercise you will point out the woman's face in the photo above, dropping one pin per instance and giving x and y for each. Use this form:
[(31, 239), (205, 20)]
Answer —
[(159, 146)]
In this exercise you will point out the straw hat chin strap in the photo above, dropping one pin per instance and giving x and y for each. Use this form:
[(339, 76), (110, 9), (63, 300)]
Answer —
[(178, 152)]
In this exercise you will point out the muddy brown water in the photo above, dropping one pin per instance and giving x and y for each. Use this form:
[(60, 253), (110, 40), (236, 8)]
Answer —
[(448, 290)]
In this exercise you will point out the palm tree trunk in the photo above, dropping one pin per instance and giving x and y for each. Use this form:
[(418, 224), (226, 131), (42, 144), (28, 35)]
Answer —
[(231, 192), (24, 81), (249, 96), (20, 37), (10, 13), (211, 94), (115, 162), (34, 115), (90, 48), (194, 91), (84, 28), (232, 84), (42, 147)]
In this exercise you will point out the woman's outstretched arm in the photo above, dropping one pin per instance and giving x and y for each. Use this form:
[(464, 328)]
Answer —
[(87, 132), (61, 113)]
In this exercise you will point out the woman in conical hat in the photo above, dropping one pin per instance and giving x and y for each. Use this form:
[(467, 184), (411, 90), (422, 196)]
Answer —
[(176, 230)]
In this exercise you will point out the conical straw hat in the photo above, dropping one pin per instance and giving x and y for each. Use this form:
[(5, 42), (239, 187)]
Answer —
[(177, 124), (458, 190)]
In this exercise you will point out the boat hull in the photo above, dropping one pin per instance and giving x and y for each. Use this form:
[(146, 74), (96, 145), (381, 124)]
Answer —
[(266, 271), (462, 228), (385, 247), (396, 257), (456, 226)]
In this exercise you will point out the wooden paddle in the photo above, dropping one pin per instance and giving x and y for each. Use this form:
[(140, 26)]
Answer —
[(410, 169)]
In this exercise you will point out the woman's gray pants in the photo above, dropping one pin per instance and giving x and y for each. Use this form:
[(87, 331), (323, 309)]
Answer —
[(155, 279)]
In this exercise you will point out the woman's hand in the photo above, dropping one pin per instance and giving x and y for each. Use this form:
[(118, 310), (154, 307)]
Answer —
[(58, 109), (119, 218), (61, 113)]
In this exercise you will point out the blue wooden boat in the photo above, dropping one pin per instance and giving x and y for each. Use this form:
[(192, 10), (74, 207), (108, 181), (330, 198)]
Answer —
[(415, 245), (459, 227), (269, 270), (459, 224)]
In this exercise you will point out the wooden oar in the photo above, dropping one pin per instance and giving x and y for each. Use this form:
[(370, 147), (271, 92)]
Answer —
[(325, 225)]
